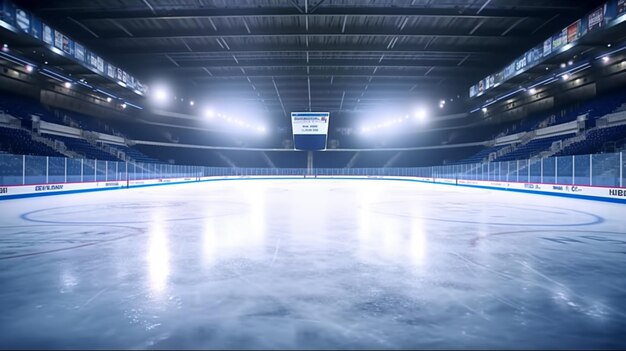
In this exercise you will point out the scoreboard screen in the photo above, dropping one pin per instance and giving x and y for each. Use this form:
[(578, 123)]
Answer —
[(310, 130)]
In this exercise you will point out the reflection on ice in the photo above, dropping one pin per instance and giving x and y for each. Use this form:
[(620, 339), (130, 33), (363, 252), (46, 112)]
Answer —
[(158, 258), (209, 243), (68, 280), (417, 242)]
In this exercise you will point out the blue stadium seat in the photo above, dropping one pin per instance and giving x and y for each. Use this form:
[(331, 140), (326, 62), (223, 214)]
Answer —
[(19, 142), (81, 146)]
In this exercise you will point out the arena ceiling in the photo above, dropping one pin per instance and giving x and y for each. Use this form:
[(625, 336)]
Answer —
[(289, 55)]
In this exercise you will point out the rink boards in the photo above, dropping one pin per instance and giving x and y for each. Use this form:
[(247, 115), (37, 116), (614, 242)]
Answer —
[(613, 194)]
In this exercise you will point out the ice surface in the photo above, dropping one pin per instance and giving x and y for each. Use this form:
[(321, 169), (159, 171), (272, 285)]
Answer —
[(312, 264)]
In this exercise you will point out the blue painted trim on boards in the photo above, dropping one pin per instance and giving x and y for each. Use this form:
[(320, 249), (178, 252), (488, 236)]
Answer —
[(582, 197), (21, 196), (157, 184), (572, 196)]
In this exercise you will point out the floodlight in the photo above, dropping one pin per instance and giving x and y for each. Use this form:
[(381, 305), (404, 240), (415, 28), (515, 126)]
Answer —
[(160, 94), (420, 114)]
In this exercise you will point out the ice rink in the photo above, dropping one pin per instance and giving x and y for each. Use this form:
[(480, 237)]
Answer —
[(312, 264)]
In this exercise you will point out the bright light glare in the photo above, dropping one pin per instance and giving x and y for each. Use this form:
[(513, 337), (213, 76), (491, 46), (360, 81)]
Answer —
[(29, 68), (123, 105), (160, 93), (484, 110), (605, 59), (241, 123), (420, 114), (67, 85), (565, 77), (191, 103), (532, 91), (109, 99)]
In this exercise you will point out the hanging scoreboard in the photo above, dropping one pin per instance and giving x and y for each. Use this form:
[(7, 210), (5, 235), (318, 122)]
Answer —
[(310, 130)]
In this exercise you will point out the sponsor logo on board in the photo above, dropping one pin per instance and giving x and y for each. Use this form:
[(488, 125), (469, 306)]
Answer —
[(4, 190), (48, 187), (558, 187), (617, 192), (531, 186)]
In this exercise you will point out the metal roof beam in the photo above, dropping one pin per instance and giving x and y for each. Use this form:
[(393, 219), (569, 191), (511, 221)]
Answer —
[(298, 85), (324, 62), (491, 51), (369, 32), (336, 73), (61, 13)]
